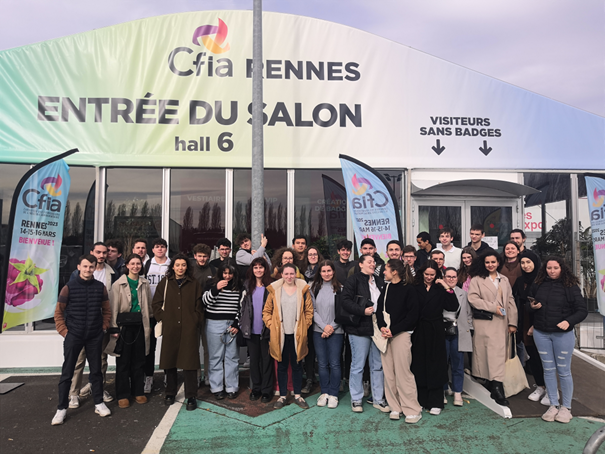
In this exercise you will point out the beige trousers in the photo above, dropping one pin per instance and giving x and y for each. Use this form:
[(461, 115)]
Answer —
[(399, 383)]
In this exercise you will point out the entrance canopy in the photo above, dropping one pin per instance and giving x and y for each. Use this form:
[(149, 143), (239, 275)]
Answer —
[(175, 91), (477, 188)]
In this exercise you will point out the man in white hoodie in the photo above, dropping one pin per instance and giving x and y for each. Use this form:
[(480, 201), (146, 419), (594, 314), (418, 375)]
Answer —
[(154, 271)]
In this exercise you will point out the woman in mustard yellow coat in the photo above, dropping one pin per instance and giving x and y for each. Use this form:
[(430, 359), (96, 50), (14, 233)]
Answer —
[(288, 314)]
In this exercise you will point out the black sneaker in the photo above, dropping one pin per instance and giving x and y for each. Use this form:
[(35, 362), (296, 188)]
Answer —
[(219, 395), (231, 396), (169, 400), (370, 400), (307, 388), (254, 396), (266, 398), (191, 404)]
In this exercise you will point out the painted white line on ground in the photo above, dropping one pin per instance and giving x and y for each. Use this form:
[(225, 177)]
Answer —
[(589, 359), (155, 443)]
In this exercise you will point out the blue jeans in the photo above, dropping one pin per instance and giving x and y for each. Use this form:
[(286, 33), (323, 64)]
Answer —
[(361, 347), (220, 354), (328, 353), (556, 350), (456, 360)]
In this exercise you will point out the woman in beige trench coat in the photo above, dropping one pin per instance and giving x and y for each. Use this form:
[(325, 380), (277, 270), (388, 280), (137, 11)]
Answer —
[(490, 291)]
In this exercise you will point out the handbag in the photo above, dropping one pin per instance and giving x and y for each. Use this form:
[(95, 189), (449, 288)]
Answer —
[(129, 319), (480, 314), (451, 326), (342, 316), (379, 341), (157, 331), (515, 379)]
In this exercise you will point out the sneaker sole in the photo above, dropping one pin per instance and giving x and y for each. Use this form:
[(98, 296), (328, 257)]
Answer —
[(53, 423), (102, 415), (384, 410)]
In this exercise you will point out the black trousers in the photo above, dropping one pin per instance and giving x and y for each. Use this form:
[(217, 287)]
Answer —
[(535, 364), (150, 359), (288, 356), (71, 350), (130, 375), (190, 382), (261, 365), (310, 358), (346, 363), (430, 397)]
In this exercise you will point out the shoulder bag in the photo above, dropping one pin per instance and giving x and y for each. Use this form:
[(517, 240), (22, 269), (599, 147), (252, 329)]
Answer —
[(515, 379), (343, 317), (158, 327), (379, 341)]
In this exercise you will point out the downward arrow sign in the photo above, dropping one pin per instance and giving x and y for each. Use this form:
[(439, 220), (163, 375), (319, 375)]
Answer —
[(485, 149), (438, 148)]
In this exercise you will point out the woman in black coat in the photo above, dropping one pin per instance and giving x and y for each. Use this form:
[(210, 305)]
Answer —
[(429, 359)]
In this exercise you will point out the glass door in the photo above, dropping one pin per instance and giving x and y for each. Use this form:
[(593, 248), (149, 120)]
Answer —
[(498, 217)]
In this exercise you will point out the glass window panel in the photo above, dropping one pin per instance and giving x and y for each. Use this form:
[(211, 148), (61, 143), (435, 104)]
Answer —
[(496, 221), (320, 209), (197, 208), (10, 174), (276, 201), (133, 205), (434, 218)]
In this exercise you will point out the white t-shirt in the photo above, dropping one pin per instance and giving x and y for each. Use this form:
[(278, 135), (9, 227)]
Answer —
[(452, 257), (101, 276), (156, 273)]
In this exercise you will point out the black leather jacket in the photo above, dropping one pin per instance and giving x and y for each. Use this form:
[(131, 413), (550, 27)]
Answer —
[(359, 284)]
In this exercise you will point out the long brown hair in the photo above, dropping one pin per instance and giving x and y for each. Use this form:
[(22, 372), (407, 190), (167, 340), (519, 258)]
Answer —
[(318, 280), (250, 284), (567, 277), (463, 271)]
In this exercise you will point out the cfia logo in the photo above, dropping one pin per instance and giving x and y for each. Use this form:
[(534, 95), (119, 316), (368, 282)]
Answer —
[(599, 198), (203, 64), (32, 198), (213, 45), (362, 186)]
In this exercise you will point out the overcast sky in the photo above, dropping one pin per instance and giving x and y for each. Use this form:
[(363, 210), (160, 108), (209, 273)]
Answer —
[(552, 47)]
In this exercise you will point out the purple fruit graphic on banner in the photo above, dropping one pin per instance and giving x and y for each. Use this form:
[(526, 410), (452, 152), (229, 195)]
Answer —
[(23, 282)]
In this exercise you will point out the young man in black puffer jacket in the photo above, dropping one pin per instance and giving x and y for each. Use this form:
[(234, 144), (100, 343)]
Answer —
[(82, 317)]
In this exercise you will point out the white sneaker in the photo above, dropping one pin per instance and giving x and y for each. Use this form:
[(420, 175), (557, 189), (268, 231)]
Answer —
[(207, 383), (74, 402), (413, 419), (86, 391), (246, 364), (59, 417), (357, 407), (449, 391), (383, 407), (107, 397), (546, 401), (102, 410), (148, 385), (394, 415), (322, 400), (537, 394), (332, 401), (444, 400), (435, 411)]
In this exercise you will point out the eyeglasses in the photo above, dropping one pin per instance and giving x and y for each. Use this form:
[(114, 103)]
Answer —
[(451, 277)]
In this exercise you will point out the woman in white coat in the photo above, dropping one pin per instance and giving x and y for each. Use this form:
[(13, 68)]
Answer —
[(494, 319)]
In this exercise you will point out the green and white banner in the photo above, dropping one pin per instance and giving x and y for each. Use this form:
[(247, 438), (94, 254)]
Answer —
[(176, 91)]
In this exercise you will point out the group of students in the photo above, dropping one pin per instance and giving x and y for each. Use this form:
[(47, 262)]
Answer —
[(400, 324)]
